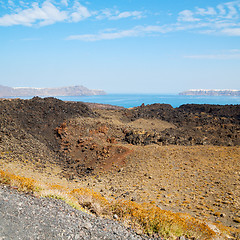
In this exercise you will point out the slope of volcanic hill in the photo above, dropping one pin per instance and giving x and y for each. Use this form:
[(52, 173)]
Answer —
[(184, 159)]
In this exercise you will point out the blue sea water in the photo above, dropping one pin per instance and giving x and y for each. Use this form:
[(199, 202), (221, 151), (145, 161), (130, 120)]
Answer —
[(134, 100)]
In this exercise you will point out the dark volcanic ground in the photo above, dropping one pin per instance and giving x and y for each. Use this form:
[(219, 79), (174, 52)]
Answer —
[(195, 124), (47, 130), (185, 159)]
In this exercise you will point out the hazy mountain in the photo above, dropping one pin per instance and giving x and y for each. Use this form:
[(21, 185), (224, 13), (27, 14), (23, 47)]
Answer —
[(212, 92), (48, 92)]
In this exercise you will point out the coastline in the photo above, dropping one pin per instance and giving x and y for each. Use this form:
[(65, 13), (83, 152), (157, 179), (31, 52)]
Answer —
[(134, 100)]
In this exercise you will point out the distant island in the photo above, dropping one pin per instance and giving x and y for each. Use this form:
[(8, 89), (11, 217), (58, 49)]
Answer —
[(47, 92), (211, 92)]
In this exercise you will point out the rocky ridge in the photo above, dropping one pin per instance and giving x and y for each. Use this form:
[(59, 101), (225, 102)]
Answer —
[(53, 92), (196, 124)]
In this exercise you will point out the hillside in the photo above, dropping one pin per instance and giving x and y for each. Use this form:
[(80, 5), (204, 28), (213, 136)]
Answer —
[(211, 92), (48, 92), (53, 220), (184, 159)]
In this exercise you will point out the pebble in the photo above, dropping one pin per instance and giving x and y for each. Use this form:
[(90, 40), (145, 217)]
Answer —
[(236, 219)]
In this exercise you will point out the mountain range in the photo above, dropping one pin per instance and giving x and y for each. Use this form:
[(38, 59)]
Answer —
[(212, 92), (47, 92)]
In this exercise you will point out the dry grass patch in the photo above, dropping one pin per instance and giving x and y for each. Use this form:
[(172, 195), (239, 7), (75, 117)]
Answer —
[(21, 183), (154, 220), (92, 201), (146, 217)]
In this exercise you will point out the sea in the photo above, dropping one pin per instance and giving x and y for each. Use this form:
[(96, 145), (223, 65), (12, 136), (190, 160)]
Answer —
[(134, 100)]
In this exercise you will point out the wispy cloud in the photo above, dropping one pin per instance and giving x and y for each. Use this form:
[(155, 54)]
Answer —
[(223, 19), (80, 13), (113, 34), (227, 10), (44, 15), (187, 16), (206, 12), (116, 15), (231, 54), (104, 36), (133, 14), (11, 3), (64, 2), (219, 19), (231, 31), (50, 12)]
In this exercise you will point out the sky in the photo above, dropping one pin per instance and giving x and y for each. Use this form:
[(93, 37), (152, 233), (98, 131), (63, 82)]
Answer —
[(121, 46)]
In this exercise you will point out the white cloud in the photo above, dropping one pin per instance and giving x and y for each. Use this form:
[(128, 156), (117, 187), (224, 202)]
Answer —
[(221, 9), (64, 2), (208, 11), (221, 20), (230, 54), (116, 15), (208, 31), (134, 14), (110, 35), (105, 36), (45, 15), (224, 11), (231, 31), (106, 13), (50, 12), (23, 4), (235, 51), (80, 13), (187, 16), (232, 11), (11, 3)]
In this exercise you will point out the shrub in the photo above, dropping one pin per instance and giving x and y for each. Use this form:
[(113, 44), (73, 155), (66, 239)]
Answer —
[(21, 183), (92, 201)]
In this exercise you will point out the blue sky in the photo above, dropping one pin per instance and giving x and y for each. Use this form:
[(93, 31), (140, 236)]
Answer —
[(124, 46)]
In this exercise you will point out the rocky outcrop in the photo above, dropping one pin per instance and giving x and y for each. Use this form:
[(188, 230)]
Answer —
[(27, 126), (48, 92), (196, 124)]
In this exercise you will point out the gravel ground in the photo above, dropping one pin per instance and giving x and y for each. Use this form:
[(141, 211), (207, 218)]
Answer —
[(26, 217)]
